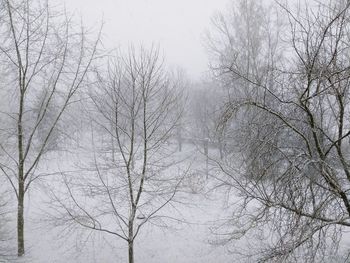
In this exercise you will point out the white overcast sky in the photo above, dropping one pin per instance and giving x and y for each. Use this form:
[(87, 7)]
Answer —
[(177, 26)]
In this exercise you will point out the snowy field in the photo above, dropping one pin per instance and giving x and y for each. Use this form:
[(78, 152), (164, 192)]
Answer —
[(188, 239)]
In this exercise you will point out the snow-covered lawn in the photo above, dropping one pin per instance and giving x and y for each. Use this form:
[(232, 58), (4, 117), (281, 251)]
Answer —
[(188, 240)]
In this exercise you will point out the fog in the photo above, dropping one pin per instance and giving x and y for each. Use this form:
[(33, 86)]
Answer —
[(155, 131), (178, 27)]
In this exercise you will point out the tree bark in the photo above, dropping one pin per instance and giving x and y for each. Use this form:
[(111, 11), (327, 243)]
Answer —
[(20, 197), (20, 220), (131, 251), (131, 235)]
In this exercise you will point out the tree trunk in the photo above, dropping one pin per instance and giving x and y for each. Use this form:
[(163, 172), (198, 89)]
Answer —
[(221, 150), (20, 219), (20, 197), (131, 235), (180, 144), (179, 139), (131, 251), (206, 152)]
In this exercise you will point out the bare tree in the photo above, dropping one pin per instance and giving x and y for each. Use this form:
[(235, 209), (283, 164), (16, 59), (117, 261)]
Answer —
[(136, 104), (182, 81), (289, 116), (205, 108), (45, 59)]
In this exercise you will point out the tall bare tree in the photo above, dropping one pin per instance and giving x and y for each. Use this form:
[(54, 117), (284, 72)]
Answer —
[(136, 104), (292, 131), (45, 59), (205, 107)]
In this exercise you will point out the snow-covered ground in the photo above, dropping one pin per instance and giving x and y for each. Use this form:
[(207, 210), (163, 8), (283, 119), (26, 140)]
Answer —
[(188, 240)]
